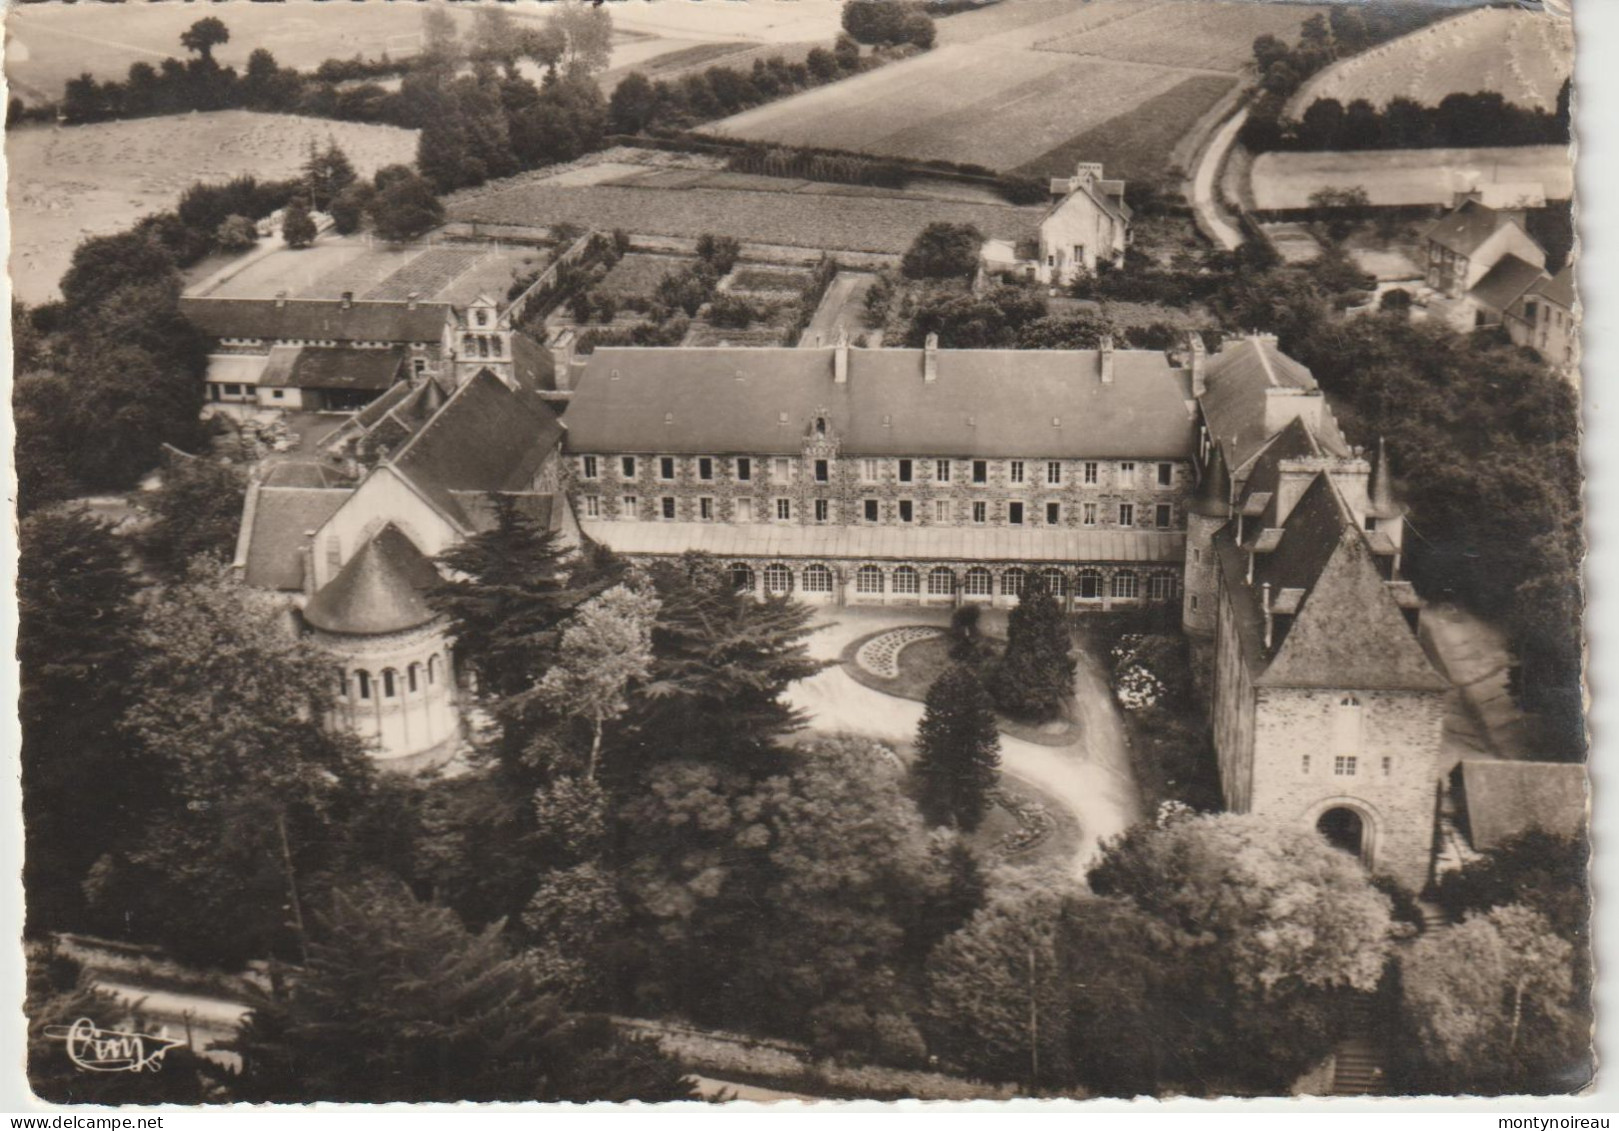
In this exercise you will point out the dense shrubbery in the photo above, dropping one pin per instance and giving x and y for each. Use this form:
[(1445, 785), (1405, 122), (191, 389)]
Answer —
[(1459, 121), (888, 22)]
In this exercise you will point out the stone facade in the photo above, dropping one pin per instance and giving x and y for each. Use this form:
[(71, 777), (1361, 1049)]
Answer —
[(397, 691)]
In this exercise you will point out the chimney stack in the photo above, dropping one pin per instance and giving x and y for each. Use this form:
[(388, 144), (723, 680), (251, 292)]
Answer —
[(1199, 357), (1105, 356), (280, 299), (410, 300), (840, 357), (1270, 621), (930, 359), (307, 553), (348, 299)]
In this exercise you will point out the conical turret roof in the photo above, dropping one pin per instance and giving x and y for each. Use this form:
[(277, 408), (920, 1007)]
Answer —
[(1214, 492), (1380, 491), (380, 590)]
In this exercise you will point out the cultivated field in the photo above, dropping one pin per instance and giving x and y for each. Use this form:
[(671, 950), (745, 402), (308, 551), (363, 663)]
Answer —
[(1016, 85), (1397, 177), (1525, 56), (92, 180), (637, 275)]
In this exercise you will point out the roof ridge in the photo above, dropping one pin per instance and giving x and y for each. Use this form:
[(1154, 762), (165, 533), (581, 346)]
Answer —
[(432, 420), (1264, 360)]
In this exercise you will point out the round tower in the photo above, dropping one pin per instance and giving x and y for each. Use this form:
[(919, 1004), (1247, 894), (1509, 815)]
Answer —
[(1210, 510), (394, 678)]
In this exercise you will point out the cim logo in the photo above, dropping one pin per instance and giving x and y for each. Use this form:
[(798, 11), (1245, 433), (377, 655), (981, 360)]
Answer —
[(109, 1050)]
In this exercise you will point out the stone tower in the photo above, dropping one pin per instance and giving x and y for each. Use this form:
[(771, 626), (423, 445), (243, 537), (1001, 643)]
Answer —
[(1209, 511)]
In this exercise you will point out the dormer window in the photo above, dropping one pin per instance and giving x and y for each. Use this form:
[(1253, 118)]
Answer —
[(483, 317)]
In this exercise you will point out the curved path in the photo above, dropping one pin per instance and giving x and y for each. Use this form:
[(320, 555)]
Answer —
[(1210, 215), (1091, 776)]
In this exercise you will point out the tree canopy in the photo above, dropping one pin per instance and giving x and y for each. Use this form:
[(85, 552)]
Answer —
[(958, 750)]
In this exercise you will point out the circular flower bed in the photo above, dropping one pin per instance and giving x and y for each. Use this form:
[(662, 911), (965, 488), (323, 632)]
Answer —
[(880, 654), (1034, 822)]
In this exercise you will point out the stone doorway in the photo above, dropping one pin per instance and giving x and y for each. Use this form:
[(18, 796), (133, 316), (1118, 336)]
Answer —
[(1344, 829)]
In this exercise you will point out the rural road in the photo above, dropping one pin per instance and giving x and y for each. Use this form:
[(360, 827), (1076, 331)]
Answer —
[(837, 308), (1210, 216), (1091, 776)]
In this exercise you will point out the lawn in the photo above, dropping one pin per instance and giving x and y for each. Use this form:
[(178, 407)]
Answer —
[(79, 181), (768, 280), (637, 275), (1028, 84), (1523, 55)]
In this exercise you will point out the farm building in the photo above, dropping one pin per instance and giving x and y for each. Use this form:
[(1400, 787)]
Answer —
[(1088, 224), (1543, 317)]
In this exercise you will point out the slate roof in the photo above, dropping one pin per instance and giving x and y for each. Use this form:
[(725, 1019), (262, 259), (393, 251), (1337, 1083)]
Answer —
[(1265, 475), (999, 543), (1505, 283), (387, 402), (304, 473), (1506, 799), (1348, 631), (1466, 228), (1000, 403), (317, 320), (487, 437), (1237, 382), (1558, 288), (533, 364), (381, 589), (279, 522), (318, 367)]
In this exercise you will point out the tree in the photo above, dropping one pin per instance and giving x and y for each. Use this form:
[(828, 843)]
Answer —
[(405, 209), (633, 103), (588, 29), (197, 510), (401, 1003), (846, 52), (81, 784), (326, 173), (104, 264), (236, 233), (203, 36), (958, 750), (298, 226), (823, 66), (349, 207), (1267, 929), (1490, 1002), (228, 708), (943, 250), (1036, 674), (606, 649)]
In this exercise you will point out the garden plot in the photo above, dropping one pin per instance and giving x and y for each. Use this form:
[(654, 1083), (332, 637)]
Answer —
[(98, 179), (638, 274)]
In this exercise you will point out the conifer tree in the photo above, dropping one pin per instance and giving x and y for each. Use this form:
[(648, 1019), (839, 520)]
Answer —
[(1036, 674), (958, 750), (297, 225)]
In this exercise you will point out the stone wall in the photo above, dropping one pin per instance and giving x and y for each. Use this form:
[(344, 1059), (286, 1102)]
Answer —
[(411, 721)]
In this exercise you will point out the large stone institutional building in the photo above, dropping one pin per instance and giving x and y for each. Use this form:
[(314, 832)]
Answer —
[(1216, 485)]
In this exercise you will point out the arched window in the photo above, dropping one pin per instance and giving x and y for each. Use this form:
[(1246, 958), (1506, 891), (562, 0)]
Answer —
[(820, 426), (1161, 586), (363, 679), (817, 579), (778, 578), (741, 576), (1056, 582), (342, 684), (432, 670), (1346, 726), (390, 683), (907, 580), (413, 677), (1012, 582), (941, 582), (1090, 584), (980, 582), (869, 579), (1126, 585)]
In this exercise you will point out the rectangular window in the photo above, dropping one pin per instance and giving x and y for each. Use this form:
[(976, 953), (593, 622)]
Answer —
[(1197, 558), (871, 510), (906, 470), (1166, 475), (822, 510), (667, 505), (1343, 765), (1090, 472), (593, 506), (784, 510), (1194, 602), (705, 468), (1127, 514), (744, 510), (941, 510), (626, 467), (1053, 514), (1090, 514), (1371, 524), (941, 470), (1304, 763), (630, 507), (783, 470), (1127, 474), (1054, 473), (1163, 516), (1388, 765), (868, 471), (666, 467), (907, 511), (744, 469), (591, 468), (822, 471), (1015, 471), (980, 513), (980, 471), (705, 509), (1014, 513)]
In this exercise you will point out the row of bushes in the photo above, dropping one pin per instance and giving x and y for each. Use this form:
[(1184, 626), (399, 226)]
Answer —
[(809, 299), (1459, 121)]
